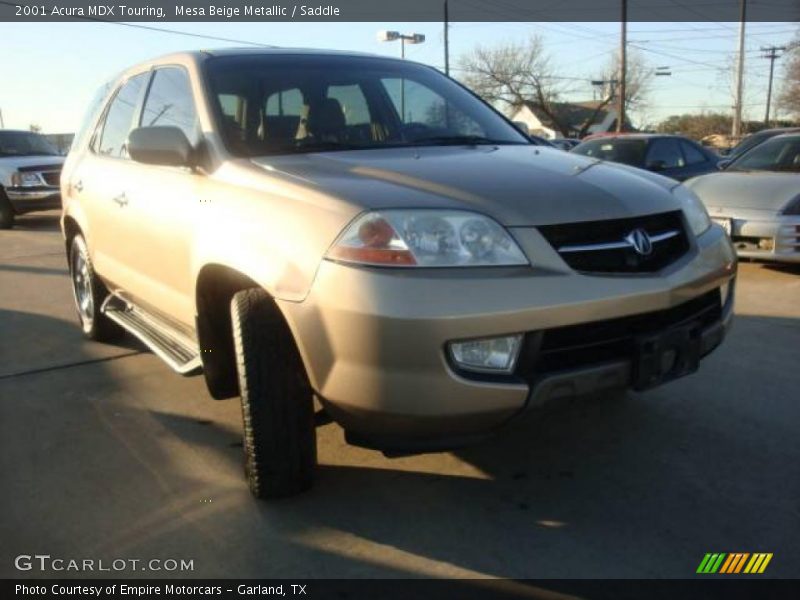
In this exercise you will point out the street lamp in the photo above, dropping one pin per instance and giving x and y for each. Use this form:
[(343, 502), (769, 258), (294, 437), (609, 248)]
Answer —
[(391, 36), (411, 38)]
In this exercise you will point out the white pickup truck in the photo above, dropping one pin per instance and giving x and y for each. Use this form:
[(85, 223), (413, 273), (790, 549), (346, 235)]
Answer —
[(30, 169)]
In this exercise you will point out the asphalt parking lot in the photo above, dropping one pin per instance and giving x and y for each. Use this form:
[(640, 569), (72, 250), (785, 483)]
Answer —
[(108, 454)]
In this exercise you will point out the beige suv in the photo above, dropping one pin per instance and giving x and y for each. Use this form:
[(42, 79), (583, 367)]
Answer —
[(367, 232)]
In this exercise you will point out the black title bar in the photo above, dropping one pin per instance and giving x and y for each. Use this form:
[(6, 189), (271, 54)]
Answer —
[(396, 11)]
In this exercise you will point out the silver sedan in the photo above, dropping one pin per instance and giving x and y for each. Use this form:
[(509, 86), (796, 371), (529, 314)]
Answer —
[(756, 198)]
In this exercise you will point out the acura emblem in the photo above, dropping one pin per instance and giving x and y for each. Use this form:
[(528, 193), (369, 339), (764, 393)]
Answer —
[(640, 241)]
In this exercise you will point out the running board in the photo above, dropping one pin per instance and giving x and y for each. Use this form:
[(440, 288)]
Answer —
[(178, 351)]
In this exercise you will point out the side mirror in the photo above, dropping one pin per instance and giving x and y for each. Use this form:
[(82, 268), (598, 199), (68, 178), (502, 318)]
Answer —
[(656, 165), (522, 126), (723, 164), (165, 146)]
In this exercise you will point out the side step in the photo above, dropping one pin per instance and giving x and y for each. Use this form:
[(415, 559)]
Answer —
[(178, 351)]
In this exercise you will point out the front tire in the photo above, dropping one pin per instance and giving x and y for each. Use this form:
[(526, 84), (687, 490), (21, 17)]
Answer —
[(6, 211), (277, 401), (89, 294)]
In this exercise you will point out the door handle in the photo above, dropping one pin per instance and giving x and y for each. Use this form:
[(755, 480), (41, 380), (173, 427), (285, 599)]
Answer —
[(121, 200)]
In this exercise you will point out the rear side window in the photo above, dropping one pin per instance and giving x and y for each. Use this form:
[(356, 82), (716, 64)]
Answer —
[(353, 103), (693, 155), (170, 103), (90, 117), (119, 118), (286, 103)]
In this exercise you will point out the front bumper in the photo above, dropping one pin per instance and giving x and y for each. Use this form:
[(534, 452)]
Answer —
[(33, 199), (773, 239), (373, 340)]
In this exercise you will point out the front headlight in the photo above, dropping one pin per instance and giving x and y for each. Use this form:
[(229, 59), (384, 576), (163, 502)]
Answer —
[(426, 238), (696, 214), (29, 179)]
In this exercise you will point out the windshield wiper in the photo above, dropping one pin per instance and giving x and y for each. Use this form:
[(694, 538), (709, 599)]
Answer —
[(457, 140), (320, 146)]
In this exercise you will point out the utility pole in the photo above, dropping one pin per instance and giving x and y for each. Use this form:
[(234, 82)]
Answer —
[(2, 123), (736, 131), (772, 53), (623, 67), (446, 39)]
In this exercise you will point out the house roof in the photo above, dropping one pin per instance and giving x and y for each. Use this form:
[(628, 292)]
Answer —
[(574, 114)]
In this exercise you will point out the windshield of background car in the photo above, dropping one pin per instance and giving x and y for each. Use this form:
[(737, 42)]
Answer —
[(621, 150), (777, 154), (23, 143), (278, 104)]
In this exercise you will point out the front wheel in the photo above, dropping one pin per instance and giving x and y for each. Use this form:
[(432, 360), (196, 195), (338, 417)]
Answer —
[(6, 211), (277, 402), (89, 293)]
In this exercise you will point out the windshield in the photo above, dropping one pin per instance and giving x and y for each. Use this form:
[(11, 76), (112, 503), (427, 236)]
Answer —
[(25, 143), (297, 103), (777, 154), (621, 150)]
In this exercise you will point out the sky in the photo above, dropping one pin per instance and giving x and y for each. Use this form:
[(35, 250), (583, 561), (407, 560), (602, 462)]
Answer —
[(50, 71)]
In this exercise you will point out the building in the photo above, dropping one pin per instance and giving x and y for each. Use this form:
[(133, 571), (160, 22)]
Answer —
[(575, 115)]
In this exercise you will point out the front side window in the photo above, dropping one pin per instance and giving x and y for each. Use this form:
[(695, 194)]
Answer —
[(298, 103), (629, 151), (777, 154), (170, 103), (692, 155), (664, 153), (119, 118), (419, 104)]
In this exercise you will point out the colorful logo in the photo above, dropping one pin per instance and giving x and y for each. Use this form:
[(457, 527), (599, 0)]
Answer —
[(737, 562)]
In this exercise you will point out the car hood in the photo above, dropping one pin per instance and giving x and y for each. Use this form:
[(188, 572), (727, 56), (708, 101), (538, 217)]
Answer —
[(31, 161), (517, 185), (757, 190)]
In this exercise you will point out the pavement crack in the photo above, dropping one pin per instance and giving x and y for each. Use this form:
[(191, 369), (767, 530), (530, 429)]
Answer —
[(90, 361)]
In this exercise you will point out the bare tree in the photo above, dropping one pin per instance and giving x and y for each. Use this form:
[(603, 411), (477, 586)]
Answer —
[(789, 98), (638, 76), (513, 75)]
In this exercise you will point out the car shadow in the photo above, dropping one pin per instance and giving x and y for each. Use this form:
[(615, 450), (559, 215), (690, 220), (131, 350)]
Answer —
[(47, 221), (790, 268), (33, 269), (120, 462)]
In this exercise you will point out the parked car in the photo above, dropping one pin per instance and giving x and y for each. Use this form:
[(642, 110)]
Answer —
[(757, 199), (754, 139), (366, 231), (30, 169), (670, 155), (565, 144)]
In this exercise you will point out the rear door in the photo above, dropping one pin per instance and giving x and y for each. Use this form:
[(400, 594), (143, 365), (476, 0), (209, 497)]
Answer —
[(98, 182)]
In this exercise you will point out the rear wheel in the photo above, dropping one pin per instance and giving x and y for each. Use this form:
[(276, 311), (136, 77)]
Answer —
[(277, 401), (6, 211), (89, 293)]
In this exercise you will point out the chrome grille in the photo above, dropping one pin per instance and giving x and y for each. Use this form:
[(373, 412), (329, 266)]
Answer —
[(634, 245)]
